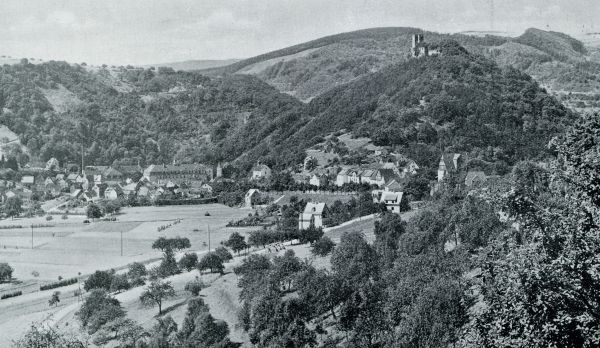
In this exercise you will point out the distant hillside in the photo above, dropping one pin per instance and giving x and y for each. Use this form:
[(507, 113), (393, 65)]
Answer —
[(457, 102), (200, 64), (310, 69)]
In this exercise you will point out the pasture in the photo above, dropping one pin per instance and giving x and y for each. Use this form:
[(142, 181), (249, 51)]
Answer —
[(70, 248)]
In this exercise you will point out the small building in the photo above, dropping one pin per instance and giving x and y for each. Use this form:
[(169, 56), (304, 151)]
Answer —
[(395, 202), (113, 193), (342, 178), (52, 164), (475, 178), (251, 198), (261, 171), (312, 215), (206, 188), (28, 180), (449, 164), (318, 180)]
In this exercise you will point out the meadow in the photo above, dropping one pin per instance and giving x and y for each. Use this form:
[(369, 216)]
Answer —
[(70, 248)]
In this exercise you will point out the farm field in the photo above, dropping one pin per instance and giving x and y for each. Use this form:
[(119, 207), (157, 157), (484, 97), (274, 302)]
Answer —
[(69, 247)]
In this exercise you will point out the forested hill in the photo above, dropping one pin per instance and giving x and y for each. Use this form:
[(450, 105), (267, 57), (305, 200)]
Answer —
[(312, 68), (456, 101), (133, 115)]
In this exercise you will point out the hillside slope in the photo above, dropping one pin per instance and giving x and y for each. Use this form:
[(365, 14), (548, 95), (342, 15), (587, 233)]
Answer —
[(310, 69), (456, 102)]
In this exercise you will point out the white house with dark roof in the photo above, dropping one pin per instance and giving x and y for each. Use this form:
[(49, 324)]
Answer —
[(251, 197), (261, 171), (312, 215), (393, 201)]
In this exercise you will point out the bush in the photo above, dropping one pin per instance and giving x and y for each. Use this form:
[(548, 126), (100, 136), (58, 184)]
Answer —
[(11, 294), (49, 217), (323, 246), (119, 283), (194, 287), (5, 272), (64, 216), (99, 280), (58, 284)]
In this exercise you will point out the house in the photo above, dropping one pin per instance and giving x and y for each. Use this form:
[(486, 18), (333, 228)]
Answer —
[(372, 177), (261, 171), (300, 178), (179, 173), (129, 189), (206, 188), (395, 202), (52, 164), (111, 175), (312, 215), (318, 180), (342, 178), (449, 164), (251, 198), (393, 186), (474, 178), (28, 180), (72, 177), (113, 192)]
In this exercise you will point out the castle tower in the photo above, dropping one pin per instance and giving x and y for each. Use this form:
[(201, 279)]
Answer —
[(418, 45)]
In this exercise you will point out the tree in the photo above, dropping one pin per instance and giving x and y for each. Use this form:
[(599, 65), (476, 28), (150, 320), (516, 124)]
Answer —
[(540, 284), (13, 206), (5, 272), (387, 232), (164, 333), (168, 265), (126, 331), (236, 242), (99, 280), (211, 261), (98, 309), (311, 234), (354, 260), (44, 335), (94, 211), (223, 254), (284, 268), (177, 243), (194, 287), (188, 261), (136, 273), (156, 293), (119, 283), (323, 246), (55, 299)]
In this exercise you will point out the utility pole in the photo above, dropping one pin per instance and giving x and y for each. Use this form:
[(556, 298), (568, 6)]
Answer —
[(31, 236), (208, 228), (121, 243)]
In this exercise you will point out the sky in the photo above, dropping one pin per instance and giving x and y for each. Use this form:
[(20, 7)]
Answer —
[(141, 32)]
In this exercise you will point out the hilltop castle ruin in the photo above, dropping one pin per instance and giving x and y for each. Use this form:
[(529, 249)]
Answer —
[(422, 49)]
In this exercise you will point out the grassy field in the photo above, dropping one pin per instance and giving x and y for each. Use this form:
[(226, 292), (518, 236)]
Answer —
[(71, 247)]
